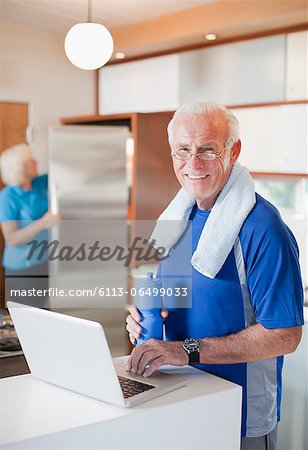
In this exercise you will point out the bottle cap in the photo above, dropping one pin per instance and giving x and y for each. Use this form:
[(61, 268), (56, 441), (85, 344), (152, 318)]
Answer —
[(149, 282), (146, 298)]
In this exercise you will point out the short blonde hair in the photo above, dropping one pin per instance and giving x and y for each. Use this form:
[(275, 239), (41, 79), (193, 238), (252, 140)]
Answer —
[(12, 164)]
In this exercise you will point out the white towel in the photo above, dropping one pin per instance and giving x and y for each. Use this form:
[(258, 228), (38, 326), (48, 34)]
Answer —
[(222, 227)]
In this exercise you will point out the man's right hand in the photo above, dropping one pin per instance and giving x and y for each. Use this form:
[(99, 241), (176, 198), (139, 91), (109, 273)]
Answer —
[(132, 323)]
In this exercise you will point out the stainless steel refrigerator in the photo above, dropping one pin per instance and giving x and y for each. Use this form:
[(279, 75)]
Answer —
[(90, 173)]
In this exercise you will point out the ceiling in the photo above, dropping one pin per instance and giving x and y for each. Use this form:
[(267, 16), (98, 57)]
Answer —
[(60, 15), (142, 27)]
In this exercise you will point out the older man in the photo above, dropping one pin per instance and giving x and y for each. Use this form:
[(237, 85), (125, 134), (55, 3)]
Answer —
[(244, 319)]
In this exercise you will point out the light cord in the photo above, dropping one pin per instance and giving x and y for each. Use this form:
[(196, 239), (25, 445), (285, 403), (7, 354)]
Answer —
[(89, 11)]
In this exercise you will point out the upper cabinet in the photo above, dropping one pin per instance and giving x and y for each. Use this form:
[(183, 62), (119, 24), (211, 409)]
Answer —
[(251, 71), (144, 86), (244, 72), (264, 79), (274, 138), (296, 66), (263, 70)]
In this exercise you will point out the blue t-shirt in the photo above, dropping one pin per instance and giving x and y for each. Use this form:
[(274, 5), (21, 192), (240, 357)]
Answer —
[(24, 207), (274, 283)]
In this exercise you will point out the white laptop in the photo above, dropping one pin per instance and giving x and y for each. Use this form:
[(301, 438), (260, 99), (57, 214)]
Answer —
[(73, 353)]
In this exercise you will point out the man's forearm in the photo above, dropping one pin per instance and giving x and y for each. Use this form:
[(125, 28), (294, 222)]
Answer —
[(253, 343)]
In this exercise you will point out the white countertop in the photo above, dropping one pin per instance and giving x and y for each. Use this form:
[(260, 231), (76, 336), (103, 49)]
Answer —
[(32, 409)]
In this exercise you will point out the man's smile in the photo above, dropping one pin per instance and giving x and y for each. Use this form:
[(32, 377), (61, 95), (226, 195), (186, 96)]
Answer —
[(195, 177)]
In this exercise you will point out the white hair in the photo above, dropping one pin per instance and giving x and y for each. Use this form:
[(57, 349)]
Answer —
[(202, 109), (12, 164)]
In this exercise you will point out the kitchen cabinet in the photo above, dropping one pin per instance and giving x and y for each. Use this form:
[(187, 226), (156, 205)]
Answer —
[(151, 84), (249, 71), (236, 73), (296, 65), (274, 137)]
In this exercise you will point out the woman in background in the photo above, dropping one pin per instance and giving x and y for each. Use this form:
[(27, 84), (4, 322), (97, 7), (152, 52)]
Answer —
[(24, 217)]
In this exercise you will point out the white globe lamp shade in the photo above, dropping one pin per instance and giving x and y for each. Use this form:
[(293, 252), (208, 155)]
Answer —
[(88, 45)]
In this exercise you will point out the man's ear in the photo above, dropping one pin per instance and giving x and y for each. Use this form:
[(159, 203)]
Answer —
[(235, 151)]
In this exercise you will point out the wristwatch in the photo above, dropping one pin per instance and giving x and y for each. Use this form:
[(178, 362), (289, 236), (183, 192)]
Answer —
[(192, 348)]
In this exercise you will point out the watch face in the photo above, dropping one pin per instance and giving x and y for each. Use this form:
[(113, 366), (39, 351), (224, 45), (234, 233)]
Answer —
[(192, 345)]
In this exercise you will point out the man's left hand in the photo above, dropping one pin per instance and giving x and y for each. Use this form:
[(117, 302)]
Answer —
[(148, 357)]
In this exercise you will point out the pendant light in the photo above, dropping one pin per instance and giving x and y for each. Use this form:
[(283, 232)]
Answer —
[(89, 45)]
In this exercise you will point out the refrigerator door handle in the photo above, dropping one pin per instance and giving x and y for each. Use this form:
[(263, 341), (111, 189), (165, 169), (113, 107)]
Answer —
[(54, 204)]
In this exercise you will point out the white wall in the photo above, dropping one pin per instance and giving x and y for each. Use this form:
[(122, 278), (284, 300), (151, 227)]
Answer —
[(34, 69)]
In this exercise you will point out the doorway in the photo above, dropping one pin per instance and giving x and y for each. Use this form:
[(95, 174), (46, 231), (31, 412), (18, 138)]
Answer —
[(13, 130)]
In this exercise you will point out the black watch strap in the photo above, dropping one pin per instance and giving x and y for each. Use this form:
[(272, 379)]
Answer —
[(194, 357), (192, 348)]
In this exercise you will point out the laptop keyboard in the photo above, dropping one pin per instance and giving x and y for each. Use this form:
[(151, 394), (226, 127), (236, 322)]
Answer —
[(132, 387)]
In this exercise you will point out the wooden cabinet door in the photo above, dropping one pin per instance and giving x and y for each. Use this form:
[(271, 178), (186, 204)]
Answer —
[(13, 130), (154, 183)]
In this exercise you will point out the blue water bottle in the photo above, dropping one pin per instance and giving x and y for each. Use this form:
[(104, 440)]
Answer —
[(149, 301)]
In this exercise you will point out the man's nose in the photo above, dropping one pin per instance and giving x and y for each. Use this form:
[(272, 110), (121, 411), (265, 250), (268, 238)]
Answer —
[(195, 162)]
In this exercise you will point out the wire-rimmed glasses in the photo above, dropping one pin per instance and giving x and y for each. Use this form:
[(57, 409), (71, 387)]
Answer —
[(207, 152)]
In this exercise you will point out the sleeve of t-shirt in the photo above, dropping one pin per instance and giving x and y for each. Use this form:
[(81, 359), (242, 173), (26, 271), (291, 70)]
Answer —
[(8, 208), (42, 181), (274, 277)]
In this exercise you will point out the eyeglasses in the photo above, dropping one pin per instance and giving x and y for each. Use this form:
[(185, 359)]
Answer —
[(207, 153)]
